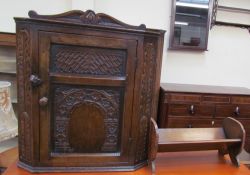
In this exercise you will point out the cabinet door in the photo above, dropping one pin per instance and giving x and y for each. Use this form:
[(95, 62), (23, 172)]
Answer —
[(85, 99)]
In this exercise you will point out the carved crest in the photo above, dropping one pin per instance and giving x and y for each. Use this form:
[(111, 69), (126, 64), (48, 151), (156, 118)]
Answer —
[(88, 17)]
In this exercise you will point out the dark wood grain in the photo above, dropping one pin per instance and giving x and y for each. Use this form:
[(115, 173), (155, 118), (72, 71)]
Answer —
[(192, 122), (7, 39), (234, 130), (98, 87), (184, 98), (153, 143), (215, 99)]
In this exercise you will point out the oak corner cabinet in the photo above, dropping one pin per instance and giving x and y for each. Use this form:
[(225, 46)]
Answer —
[(202, 106), (87, 87)]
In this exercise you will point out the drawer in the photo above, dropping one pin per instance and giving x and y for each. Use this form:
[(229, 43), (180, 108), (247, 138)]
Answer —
[(240, 100), (191, 110), (185, 98), (215, 99), (178, 109), (192, 122), (223, 111), (246, 124), (243, 111), (238, 111)]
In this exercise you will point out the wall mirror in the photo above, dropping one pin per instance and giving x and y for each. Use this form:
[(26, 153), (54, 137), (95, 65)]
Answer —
[(190, 24)]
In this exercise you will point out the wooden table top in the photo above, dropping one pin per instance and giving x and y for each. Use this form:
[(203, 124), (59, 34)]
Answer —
[(177, 163)]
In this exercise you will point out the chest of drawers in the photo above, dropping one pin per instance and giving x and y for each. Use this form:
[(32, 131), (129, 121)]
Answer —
[(196, 106)]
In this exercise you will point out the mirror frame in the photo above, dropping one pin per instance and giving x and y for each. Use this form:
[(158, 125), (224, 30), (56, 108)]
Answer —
[(172, 25)]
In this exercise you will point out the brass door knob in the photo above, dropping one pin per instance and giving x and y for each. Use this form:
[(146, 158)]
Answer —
[(43, 101)]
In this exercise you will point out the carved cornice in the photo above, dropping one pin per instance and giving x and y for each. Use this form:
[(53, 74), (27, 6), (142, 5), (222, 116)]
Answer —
[(88, 17)]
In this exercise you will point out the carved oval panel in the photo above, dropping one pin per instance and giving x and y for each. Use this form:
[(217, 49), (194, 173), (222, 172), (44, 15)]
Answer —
[(86, 128)]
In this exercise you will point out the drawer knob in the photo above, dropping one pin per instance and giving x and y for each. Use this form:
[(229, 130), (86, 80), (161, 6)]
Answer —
[(191, 110), (35, 80), (212, 123), (189, 126), (43, 101), (237, 111)]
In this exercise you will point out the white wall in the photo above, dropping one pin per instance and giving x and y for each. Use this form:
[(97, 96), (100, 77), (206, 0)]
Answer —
[(20, 8), (82, 5), (226, 62), (152, 13), (235, 17), (235, 3)]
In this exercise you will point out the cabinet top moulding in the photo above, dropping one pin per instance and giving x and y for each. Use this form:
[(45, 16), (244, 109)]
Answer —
[(190, 88), (7, 39), (90, 19)]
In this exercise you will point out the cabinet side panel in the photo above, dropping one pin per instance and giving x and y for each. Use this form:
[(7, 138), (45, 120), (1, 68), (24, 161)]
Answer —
[(147, 100), (159, 41), (24, 94)]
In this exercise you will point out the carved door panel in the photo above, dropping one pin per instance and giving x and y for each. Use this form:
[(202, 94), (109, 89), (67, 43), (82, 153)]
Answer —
[(85, 98)]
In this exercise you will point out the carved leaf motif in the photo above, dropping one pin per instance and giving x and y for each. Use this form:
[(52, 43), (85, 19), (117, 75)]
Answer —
[(89, 18)]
